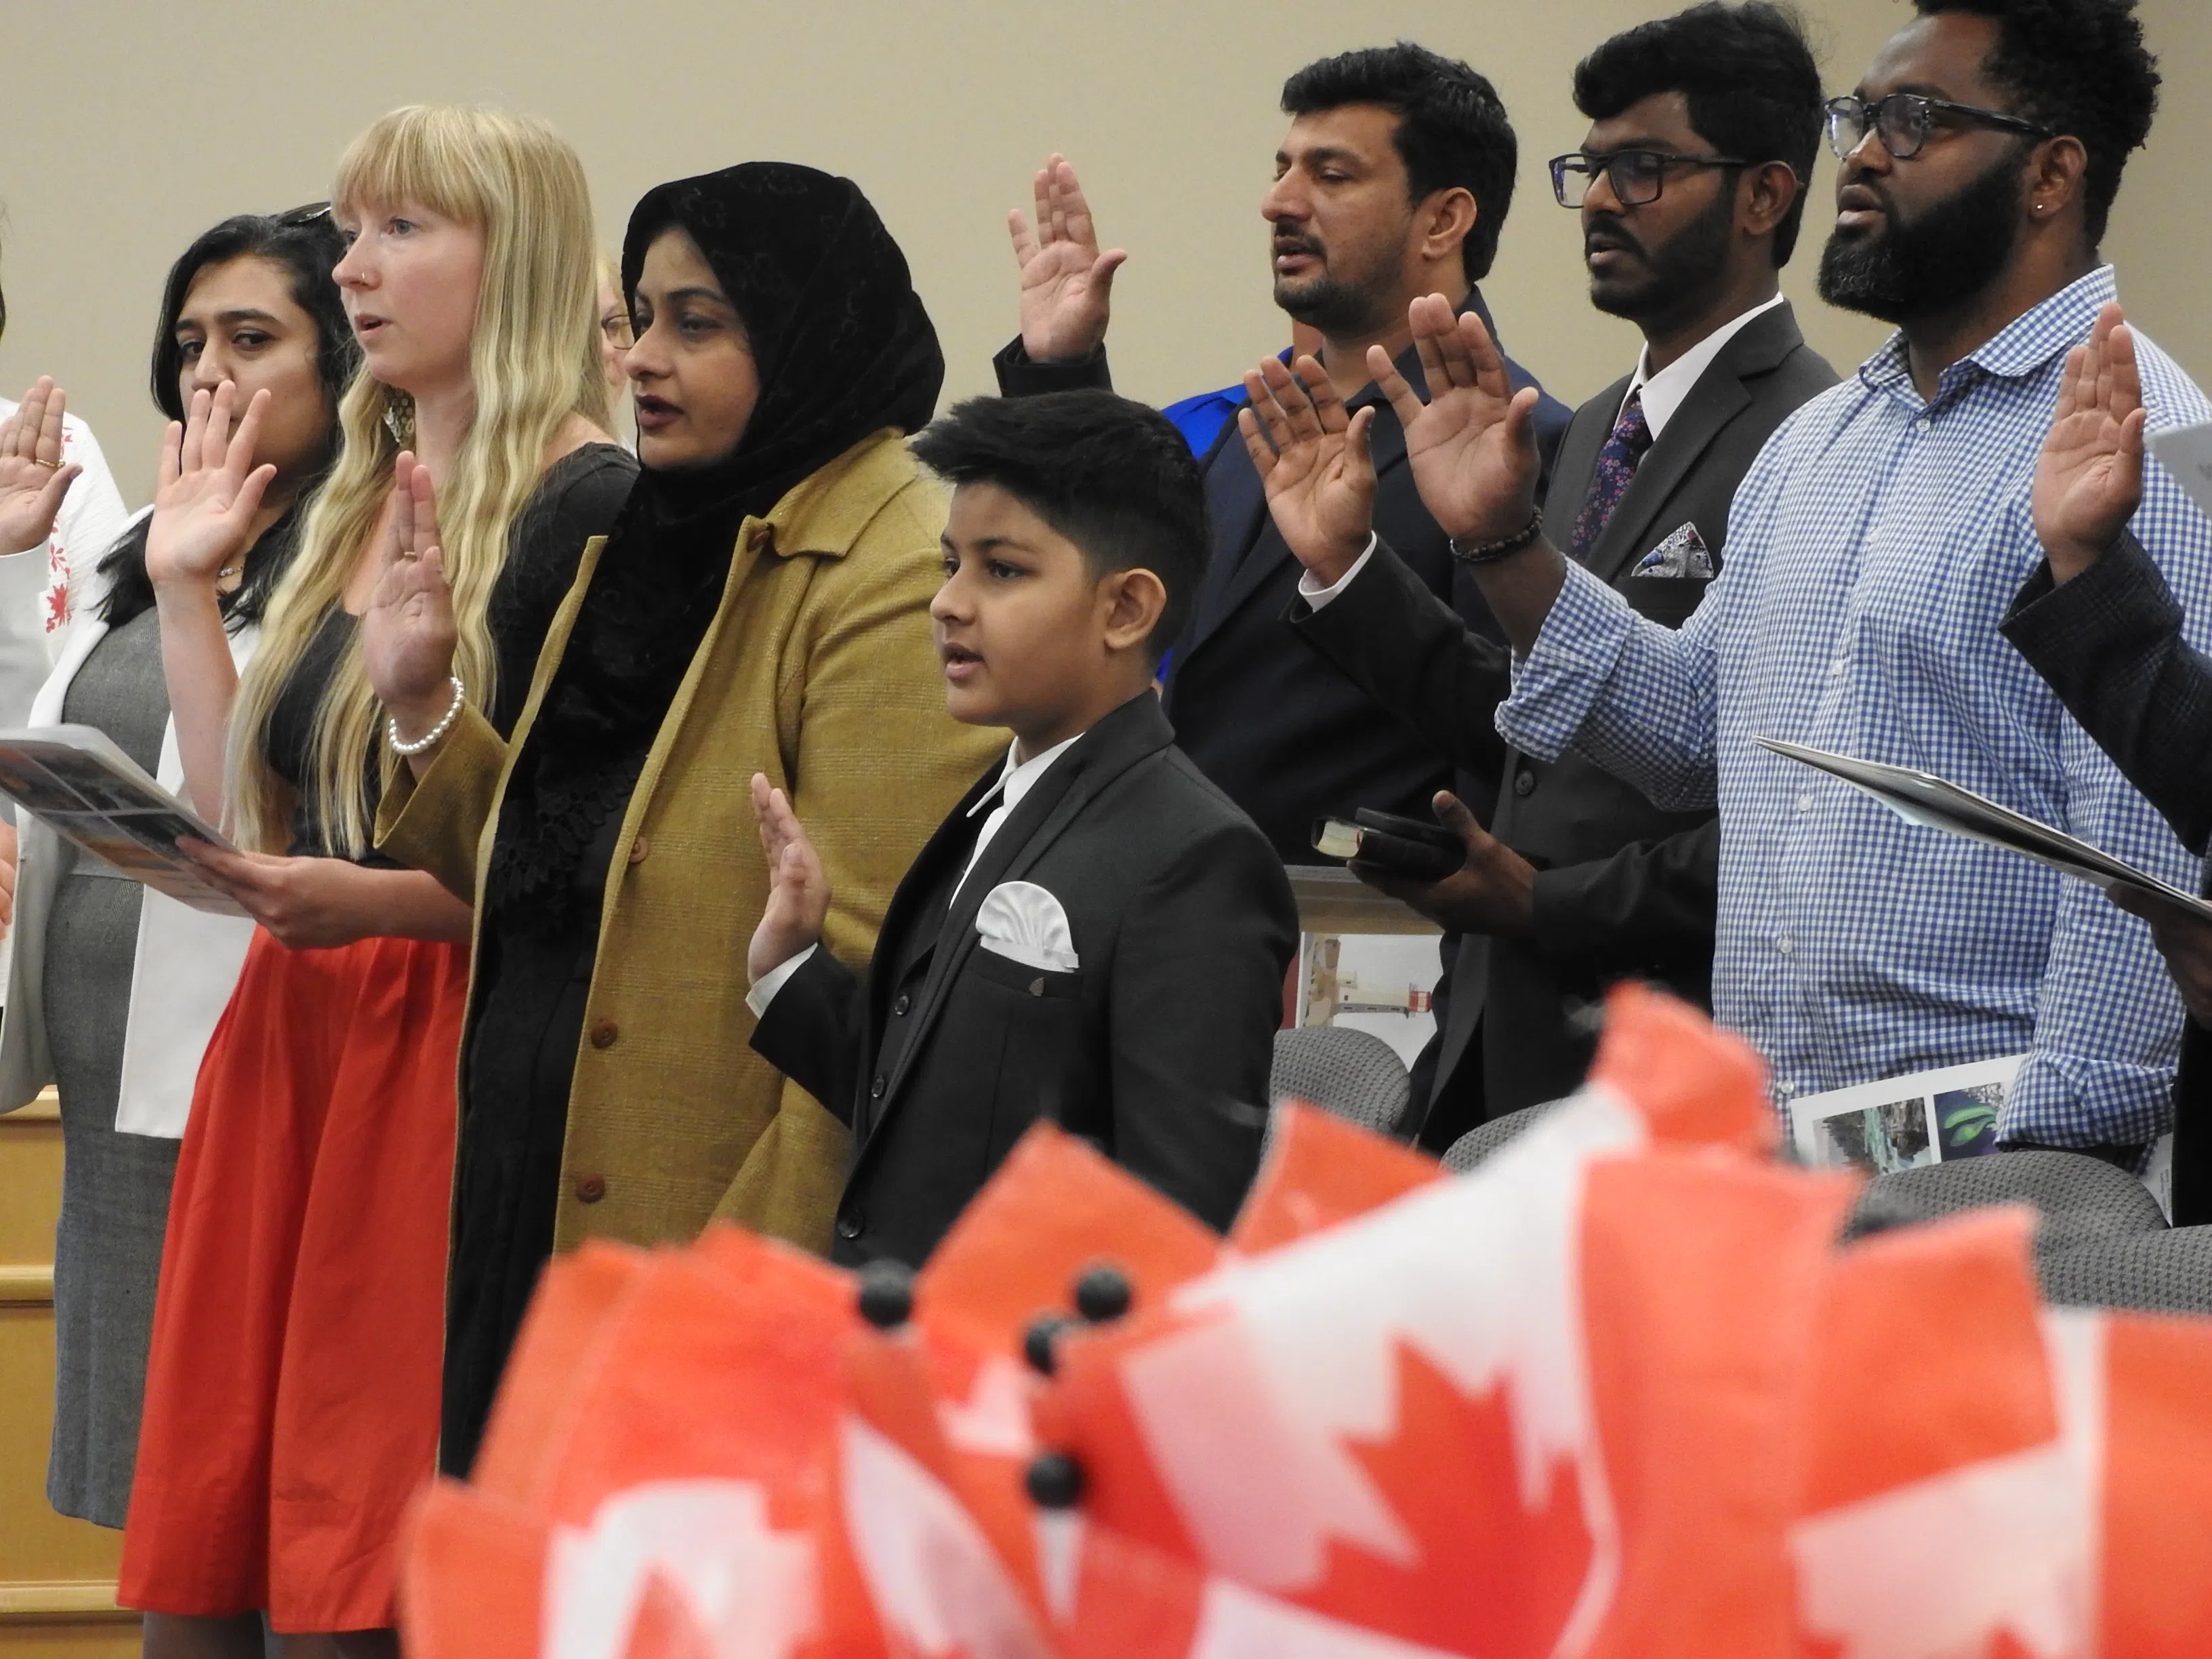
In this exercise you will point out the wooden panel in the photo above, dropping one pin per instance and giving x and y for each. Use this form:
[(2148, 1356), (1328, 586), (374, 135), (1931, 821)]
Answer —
[(56, 1575)]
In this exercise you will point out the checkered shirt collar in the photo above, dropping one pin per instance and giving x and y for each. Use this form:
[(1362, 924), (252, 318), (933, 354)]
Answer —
[(2022, 347)]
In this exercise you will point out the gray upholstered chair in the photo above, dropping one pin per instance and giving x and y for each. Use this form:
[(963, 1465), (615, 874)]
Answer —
[(2164, 1272), (1353, 1075), (2078, 1200), (1479, 1142)]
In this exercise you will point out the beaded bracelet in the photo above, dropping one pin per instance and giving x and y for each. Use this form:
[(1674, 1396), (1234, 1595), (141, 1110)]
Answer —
[(1489, 552), (406, 750)]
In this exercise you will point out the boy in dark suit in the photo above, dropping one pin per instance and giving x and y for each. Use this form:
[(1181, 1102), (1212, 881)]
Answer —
[(1096, 936)]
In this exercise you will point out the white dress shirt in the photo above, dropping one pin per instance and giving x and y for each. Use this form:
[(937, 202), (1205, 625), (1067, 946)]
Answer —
[(1665, 393), (1015, 781)]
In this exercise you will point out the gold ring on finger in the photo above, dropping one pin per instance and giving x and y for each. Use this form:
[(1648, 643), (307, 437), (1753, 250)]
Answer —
[(51, 466)]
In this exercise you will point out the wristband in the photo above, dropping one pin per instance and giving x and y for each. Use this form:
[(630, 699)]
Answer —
[(1491, 552), (406, 751)]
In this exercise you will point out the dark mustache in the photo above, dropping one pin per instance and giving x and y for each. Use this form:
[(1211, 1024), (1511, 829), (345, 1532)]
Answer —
[(1608, 235), (1294, 244)]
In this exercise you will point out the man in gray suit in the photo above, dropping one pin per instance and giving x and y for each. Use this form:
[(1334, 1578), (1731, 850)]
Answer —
[(1690, 188)]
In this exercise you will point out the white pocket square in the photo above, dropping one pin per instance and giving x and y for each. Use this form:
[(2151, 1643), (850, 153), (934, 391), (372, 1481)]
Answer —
[(1023, 921)]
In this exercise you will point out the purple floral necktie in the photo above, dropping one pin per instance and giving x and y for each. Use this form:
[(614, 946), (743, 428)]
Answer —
[(1616, 470)]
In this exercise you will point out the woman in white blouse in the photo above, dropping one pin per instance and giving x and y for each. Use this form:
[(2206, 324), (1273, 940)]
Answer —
[(117, 988)]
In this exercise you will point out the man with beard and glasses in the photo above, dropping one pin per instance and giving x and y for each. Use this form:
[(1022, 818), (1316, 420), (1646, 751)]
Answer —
[(1691, 187), (1873, 550), (1393, 181)]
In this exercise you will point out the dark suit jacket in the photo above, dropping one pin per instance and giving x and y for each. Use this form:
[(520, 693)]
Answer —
[(2110, 644), (1286, 739), (1623, 888), (1157, 1048)]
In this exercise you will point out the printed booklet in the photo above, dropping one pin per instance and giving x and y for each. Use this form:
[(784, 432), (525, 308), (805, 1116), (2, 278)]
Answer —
[(88, 792)]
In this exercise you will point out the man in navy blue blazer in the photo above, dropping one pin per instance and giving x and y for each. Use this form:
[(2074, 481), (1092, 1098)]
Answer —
[(1393, 181)]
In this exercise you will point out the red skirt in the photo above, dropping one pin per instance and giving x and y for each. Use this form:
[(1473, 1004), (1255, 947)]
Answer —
[(292, 1390)]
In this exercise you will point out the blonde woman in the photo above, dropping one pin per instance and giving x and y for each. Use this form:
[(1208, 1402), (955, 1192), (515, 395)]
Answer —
[(292, 1391)]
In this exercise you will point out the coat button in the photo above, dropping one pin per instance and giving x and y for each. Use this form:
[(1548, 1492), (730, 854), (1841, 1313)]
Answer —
[(903, 1003), (590, 1189), (876, 1088), (604, 1033), (851, 1224), (638, 849), (1524, 782)]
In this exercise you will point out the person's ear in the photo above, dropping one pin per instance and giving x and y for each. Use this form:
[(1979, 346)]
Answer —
[(2055, 178), (1448, 220), (1768, 194), (1132, 601)]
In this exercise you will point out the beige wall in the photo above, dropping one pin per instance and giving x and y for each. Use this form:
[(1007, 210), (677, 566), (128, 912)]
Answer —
[(134, 125)]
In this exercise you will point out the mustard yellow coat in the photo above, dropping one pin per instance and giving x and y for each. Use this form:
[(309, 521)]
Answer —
[(817, 670)]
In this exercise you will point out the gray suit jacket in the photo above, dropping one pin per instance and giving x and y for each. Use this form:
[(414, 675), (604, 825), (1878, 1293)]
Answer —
[(1623, 888)]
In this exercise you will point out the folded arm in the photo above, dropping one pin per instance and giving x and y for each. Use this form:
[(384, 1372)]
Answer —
[(1196, 1000), (1648, 910), (2109, 641)]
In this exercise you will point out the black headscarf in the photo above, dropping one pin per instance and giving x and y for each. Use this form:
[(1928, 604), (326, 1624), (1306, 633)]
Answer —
[(843, 348)]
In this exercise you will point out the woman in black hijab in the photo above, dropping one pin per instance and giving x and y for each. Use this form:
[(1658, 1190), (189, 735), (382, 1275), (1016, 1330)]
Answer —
[(762, 604)]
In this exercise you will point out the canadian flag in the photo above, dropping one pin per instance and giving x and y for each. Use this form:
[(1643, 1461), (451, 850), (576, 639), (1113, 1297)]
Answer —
[(1533, 1411)]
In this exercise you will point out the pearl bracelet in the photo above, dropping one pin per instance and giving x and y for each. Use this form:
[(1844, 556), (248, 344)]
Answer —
[(406, 750)]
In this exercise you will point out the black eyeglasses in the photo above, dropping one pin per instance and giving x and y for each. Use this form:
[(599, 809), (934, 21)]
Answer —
[(1636, 174), (291, 217), (1904, 119)]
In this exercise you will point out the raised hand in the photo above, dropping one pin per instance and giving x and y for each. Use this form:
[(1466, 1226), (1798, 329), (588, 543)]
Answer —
[(798, 889), (1067, 284), (1314, 463), (2088, 480), (408, 633), (1472, 445), (9, 856), (208, 492), (32, 479)]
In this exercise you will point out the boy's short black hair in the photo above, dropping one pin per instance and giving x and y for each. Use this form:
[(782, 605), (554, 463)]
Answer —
[(1748, 74), (2081, 67), (1452, 129), (1112, 476)]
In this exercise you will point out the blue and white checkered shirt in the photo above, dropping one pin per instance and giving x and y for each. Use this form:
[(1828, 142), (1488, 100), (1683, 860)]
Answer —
[(1872, 551)]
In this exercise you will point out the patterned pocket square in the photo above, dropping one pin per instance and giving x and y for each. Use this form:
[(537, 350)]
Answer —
[(1682, 554), (1024, 921)]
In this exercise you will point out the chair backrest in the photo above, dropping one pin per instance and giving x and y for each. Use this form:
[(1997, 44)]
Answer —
[(1353, 1074), (2168, 1271), (1479, 1142), (2079, 1200)]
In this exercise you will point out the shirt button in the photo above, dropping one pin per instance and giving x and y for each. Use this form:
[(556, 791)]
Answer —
[(638, 849), (1839, 665), (1524, 782), (604, 1033), (851, 1224), (1783, 943), (903, 1003), (590, 1189), (1923, 424), (1804, 803), (876, 1088)]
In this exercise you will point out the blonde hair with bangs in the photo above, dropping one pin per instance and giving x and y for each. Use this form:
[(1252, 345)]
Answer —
[(533, 360)]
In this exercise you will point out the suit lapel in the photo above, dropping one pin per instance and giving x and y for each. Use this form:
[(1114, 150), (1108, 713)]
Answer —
[(906, 922), (1237, 504), (1125, 737), (1718, 397)]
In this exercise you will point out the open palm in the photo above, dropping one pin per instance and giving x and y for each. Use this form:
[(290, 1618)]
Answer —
[(32, 480), (1472, 445), (2088, 480), (209, 490), (408, 635), (1067, 284), (1313, 461)]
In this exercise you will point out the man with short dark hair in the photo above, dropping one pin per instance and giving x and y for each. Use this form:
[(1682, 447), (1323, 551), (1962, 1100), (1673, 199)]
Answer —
[(1876, 544), (1394, 180), (1690, 188)]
